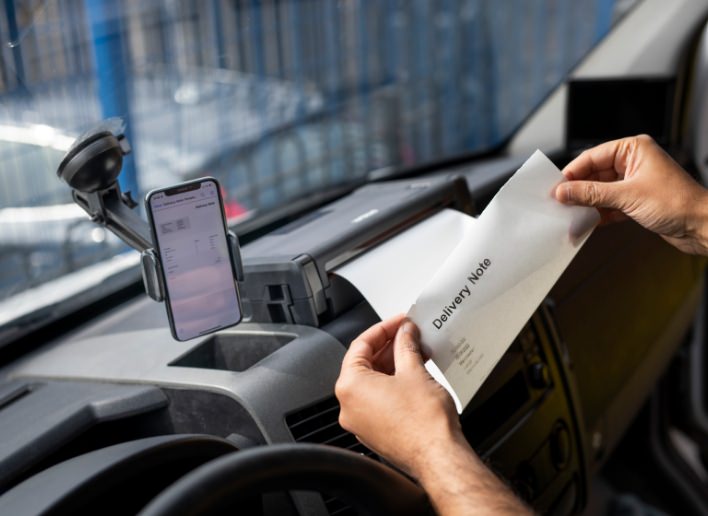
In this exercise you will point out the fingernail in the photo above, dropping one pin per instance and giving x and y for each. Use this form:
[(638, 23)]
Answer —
[(410, 328), (561, 193)]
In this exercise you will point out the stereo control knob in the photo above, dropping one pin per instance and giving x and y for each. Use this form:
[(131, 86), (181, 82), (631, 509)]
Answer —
[(540, 375), (561, 446)]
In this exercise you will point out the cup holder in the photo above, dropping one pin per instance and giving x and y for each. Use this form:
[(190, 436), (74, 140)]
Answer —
[(233, 352)]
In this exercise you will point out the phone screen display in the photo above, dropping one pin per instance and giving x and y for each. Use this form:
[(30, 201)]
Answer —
[(190, 235)]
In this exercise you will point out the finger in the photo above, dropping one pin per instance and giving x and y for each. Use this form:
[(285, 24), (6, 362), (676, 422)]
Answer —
[(379, 334), (362, 351), (605, 159), (359, 356), (591, 193), (611, 216), (605, 176), (406, 348), (383, 361)]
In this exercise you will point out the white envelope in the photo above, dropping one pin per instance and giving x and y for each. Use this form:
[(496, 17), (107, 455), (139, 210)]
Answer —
[(392, 275), (498, 269)]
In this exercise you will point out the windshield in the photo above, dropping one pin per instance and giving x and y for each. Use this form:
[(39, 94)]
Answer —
[(275, 98)]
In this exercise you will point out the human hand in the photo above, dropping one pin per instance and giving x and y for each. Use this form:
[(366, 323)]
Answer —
[(633, 177), (391, 403), (389, 400)]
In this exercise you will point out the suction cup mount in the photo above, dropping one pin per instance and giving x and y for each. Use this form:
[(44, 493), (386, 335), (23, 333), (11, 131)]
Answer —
[(91, 168)]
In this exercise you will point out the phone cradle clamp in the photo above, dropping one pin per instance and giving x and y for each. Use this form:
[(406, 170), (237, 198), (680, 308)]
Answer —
[(153, 274), (91, 168)]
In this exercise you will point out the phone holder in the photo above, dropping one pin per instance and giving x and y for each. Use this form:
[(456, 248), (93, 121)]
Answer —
[(91, 168)]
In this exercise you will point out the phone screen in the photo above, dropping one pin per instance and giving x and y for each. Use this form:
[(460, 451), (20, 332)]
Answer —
[(189, 231)]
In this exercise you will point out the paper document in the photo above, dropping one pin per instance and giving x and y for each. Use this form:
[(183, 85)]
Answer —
[(392, 275), (497, 270)]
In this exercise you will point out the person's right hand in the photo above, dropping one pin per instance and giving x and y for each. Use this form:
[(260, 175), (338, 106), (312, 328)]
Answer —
[(633, 177)]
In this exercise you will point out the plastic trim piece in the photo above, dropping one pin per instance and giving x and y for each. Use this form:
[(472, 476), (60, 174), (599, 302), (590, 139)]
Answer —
[(138, 469), (698, 108), (35, 424)]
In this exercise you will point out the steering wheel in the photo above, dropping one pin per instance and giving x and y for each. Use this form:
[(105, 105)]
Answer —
[(218, 486)]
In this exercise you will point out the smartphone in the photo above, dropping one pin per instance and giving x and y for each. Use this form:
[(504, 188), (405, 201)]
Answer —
[(190, 236)]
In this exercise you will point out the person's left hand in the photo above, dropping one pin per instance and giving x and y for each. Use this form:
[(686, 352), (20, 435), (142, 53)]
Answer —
[(389, 400), (391, 403)]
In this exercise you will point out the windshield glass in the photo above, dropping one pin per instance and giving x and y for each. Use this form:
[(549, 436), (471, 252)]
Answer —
[(274, 98)]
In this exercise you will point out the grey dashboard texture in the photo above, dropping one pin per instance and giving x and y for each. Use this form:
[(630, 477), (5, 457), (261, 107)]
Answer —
[(307, 358), (80, 484), (36, 415)]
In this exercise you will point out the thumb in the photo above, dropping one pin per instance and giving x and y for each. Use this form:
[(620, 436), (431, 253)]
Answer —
[(590, 193), (406, 347)]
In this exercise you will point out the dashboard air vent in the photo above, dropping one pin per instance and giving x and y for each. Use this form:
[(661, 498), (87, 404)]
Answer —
[(319, 424)]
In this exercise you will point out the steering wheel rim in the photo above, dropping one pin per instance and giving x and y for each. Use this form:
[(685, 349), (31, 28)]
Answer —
[(360, 481)]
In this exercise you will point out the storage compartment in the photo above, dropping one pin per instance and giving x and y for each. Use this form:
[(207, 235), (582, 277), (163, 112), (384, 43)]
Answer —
[(233, 352)]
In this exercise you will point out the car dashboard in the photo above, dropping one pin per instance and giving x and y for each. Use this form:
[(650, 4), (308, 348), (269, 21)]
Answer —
[(545, 420)]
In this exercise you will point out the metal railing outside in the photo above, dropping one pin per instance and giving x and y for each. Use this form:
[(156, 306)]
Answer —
[(276, 98)]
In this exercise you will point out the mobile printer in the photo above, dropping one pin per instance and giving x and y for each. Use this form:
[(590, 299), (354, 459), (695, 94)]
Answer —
[(287, 272)]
